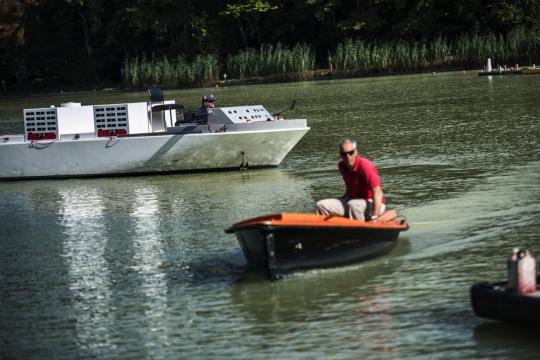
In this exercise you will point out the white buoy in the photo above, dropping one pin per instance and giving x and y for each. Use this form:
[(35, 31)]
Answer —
[(489, 63)]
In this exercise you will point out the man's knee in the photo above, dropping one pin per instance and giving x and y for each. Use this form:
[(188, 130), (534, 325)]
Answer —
[(322, 207), (329, 207)]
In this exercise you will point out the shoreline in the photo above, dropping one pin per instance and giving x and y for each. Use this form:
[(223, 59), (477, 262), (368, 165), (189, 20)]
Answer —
[(325, 74)]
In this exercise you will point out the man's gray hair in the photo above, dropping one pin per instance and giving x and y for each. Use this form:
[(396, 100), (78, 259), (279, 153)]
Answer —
[(346, 140)]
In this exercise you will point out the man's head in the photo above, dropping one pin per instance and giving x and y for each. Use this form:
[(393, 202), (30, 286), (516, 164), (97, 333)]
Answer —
[(347, 151), (208, 100)]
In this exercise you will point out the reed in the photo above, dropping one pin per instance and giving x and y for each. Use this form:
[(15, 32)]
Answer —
[(351, 58), (202, 71), (279, 63), (357, 57)]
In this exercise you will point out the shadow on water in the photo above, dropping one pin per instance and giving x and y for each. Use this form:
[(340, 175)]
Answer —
[(495, 339), (304, 294)]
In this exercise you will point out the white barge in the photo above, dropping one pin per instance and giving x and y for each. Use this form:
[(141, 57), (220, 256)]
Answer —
[(145, 137)]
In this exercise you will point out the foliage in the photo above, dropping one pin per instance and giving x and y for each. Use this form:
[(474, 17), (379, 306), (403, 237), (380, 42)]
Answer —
[(79, 42)]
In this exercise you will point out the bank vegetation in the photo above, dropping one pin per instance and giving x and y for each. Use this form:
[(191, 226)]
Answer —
[(173, 44)]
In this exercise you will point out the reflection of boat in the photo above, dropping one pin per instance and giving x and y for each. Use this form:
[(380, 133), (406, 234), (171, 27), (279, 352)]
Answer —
[(283, 243), (145, 137), (495, 301)]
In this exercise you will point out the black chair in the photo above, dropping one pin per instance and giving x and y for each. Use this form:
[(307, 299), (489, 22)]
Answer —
[(156, 97), (192, 116)]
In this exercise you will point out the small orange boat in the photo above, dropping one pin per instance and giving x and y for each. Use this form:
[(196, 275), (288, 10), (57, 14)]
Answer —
[(279, 244)]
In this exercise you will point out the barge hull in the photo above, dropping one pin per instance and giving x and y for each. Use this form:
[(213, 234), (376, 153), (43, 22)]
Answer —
[(146, 154)]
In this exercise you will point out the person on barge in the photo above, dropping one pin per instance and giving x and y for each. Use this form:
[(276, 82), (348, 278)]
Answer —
[(208, 102), (364, 198)]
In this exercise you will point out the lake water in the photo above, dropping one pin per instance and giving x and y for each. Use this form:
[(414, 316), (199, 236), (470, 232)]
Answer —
[(140, 267)]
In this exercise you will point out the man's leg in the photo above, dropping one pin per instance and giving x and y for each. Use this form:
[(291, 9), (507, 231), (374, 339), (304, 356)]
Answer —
[(359, 209), (331, 207)]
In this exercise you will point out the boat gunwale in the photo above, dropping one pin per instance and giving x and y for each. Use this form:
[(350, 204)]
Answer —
[(268, 227), (142, 135), (283, 220)]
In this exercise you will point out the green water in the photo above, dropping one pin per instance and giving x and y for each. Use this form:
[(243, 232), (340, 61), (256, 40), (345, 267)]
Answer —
[(140, 267)]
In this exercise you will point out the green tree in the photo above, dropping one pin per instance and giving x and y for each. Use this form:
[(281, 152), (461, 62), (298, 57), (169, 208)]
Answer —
[(248, 11)]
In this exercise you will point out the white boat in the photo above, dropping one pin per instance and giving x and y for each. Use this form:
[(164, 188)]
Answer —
[(145, 137)]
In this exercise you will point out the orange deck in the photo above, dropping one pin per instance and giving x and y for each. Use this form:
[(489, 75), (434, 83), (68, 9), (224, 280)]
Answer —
[(386, 221)]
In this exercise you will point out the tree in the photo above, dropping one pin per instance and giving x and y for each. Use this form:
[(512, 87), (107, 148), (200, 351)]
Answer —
[(251, 10), (13, 19)]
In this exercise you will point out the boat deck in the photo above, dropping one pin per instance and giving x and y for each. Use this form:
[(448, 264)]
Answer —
[(387, 220)]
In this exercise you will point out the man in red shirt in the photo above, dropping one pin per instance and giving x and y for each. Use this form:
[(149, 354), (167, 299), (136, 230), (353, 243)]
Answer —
[(364, 196)]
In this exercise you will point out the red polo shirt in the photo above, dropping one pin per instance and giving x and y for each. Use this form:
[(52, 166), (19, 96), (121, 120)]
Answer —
[(361, 179)]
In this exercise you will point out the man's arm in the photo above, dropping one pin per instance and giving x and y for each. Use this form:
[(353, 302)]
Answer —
[(341, 168), (377, 200)]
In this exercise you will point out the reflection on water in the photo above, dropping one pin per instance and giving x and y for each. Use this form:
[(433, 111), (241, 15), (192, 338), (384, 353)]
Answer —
[(351, 301), (140, 267), (87, 271)]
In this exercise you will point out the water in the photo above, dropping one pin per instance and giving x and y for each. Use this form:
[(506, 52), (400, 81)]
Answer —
[(140, 267)]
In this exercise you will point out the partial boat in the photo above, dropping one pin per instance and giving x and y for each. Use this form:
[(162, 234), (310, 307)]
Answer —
[(142, 138), (502, 72), (497, 301), (279, 244), (531, 71)]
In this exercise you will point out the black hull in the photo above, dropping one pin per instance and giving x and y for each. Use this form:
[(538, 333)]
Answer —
[(277, 251), (493, 301)]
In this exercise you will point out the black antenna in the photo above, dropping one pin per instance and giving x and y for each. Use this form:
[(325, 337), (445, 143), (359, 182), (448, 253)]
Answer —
[(293, 107)]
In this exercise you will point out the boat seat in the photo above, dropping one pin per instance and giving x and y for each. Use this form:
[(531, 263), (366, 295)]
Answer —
[(190, 117), (157, 97)]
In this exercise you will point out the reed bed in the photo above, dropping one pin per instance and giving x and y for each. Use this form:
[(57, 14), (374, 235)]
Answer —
[(279, 63), (357, 57), (202, 71), (351, 58)]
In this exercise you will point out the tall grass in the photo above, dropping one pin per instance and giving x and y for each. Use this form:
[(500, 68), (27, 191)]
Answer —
[(358, 57), (277, 62), (351, 58), (202, 71)]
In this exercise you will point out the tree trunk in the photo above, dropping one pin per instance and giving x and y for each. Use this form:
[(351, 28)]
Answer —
[(257, 30), (86, 35), (189, 32), (19, 68), (243, 34)]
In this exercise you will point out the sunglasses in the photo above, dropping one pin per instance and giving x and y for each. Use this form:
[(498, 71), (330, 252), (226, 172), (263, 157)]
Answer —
[(345, 153), (210, 101)]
